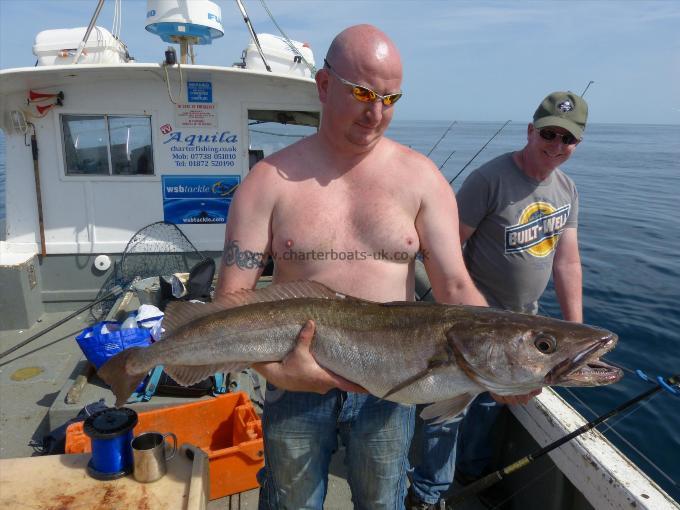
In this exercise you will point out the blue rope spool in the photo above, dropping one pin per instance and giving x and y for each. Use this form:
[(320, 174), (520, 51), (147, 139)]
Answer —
[(110, 433)]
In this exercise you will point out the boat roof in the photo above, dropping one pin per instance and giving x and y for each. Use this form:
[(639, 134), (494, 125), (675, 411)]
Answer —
[(23, 78)]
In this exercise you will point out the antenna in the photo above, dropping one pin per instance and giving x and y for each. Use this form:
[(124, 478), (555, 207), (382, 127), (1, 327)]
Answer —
[(584, 90)]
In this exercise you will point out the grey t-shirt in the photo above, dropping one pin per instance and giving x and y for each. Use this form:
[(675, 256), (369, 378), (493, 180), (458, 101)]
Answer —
[(518, 222)]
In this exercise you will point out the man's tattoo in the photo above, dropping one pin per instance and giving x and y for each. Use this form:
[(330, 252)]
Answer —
[(233, 256)]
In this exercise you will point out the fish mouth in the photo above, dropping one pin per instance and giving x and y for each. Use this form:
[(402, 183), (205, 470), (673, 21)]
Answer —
[(586, 368)]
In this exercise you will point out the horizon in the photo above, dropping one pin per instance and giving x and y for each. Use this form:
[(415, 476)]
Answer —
[(489, 60), (528, 120)]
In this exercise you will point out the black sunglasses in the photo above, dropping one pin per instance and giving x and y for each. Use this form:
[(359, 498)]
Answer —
[(549, 135)]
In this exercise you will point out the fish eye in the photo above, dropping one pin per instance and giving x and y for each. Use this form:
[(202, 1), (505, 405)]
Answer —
[(545, 343)]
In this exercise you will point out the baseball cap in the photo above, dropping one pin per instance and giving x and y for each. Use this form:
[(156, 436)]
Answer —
[(563, 109)]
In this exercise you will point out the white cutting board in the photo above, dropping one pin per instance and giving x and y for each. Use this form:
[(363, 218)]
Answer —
[(61, 482)]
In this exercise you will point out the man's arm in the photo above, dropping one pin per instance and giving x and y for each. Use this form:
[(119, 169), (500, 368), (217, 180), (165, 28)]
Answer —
[(568, 276), (436, 224), (465, 232), (247, 237)]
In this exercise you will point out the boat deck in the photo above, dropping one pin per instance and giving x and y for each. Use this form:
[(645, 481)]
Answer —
[(35, 379), (32, 377)]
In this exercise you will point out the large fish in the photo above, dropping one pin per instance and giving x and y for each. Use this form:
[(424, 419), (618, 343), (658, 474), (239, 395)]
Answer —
[(408, 352)]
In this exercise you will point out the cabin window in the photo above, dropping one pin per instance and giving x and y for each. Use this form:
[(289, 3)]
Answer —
[(272, 130), (107, 144)]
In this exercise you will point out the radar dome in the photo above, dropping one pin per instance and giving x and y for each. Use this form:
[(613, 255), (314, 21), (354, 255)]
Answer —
[(200, 20)]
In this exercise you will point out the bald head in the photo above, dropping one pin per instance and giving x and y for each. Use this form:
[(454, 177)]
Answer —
[(363, 48)]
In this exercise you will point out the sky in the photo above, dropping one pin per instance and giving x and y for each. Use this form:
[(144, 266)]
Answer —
[(463, 60)]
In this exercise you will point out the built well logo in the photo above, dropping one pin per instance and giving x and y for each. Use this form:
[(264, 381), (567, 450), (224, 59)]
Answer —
[(537, 230)]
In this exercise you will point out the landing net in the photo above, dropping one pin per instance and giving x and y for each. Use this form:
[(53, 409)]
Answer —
[(159, 249)]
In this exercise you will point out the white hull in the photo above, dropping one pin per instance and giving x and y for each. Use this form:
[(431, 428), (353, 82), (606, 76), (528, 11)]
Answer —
[(604, 475)]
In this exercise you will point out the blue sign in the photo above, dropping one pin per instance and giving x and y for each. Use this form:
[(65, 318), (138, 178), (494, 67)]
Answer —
[(199, 91), (198, 199)]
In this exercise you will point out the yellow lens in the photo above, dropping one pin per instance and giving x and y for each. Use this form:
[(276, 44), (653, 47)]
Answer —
[(363, 94), (391, 99)]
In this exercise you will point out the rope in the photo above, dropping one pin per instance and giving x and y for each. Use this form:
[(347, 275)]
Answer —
[(550, 468), (311, 68), (167, 82), (120, 18), (610, 427), (117, 19)]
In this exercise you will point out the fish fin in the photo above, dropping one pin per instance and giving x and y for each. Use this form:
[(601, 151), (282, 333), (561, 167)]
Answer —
[(296, 289), (408, 382), (406, 303), (446, 409), (115, 373), (441, 359), (179, 313), (186, 375)]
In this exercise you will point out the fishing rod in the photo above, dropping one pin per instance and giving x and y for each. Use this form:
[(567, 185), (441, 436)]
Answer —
[(671, 385), (253, 35), (461, 171), (441, 138), (480, 150), (114, 293), (446, 160), (584, 90)]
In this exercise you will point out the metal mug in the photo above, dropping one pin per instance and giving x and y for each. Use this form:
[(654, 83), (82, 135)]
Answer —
[(149, 455)]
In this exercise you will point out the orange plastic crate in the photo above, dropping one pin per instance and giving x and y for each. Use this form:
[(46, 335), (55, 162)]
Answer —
[(226, 427)]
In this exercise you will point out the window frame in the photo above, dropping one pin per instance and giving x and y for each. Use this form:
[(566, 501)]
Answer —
[(111, 175)]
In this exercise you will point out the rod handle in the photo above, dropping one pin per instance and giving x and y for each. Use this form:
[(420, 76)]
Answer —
[(470, 490)]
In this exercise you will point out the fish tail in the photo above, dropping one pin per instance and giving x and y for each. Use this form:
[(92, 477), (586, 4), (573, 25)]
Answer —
[(116, 374)]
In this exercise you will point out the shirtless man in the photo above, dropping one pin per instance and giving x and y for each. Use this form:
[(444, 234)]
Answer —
[(357, 207)]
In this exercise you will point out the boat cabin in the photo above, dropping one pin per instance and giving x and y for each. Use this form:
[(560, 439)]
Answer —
[(98, 149)]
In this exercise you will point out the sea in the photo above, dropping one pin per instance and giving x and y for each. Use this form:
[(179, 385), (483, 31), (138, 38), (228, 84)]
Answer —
[(628, 178)]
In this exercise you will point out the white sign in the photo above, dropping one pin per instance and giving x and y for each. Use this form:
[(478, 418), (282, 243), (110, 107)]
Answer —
[(196, 115), (203, 149)]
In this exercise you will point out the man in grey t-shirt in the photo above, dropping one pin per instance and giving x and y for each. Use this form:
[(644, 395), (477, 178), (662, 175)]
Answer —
[(518, 218), (512, 223)]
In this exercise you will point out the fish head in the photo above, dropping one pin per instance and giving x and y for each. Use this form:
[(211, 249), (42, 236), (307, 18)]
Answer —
[(513, 353)]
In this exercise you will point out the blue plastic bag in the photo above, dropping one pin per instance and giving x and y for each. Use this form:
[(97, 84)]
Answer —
[(99, 346)]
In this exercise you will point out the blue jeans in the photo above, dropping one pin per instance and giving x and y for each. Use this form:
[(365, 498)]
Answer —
[(434, 456), (300, 435), (475, 445), (462, 444)]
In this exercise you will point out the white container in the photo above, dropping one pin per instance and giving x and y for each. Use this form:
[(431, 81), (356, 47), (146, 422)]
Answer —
[(279, 55), (58, 47), (130, 322)]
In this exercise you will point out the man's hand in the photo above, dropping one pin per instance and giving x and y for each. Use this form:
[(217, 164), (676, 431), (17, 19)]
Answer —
[(299, 371), (515, 399)]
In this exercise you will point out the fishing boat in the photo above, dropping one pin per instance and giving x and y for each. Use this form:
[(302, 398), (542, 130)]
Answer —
[(99, 147)]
